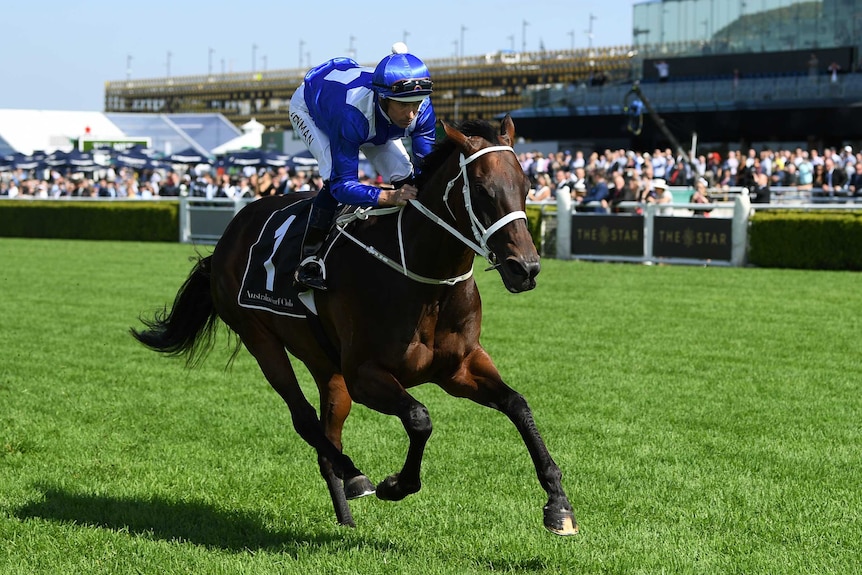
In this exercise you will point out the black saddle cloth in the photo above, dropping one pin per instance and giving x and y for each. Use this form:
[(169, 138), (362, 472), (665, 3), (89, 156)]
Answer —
[(268, 280)]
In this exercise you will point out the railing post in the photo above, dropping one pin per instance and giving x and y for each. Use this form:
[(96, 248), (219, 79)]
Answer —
[(649, 224), (564, 224), (239, 205), (739, 231), (185, 224)]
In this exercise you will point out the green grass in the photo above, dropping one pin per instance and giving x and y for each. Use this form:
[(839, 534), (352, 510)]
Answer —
[(706, 421)]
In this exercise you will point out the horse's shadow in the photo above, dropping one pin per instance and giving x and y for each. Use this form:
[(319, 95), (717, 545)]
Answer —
[(190, 521)]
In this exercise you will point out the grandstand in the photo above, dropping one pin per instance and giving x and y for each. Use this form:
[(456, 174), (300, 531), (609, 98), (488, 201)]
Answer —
[(712, 46), (464, 88)]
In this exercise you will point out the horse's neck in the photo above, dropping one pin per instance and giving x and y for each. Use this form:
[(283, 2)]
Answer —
[(429, 242)]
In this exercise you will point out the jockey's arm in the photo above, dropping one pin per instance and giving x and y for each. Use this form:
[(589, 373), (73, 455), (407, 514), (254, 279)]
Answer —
[(424, 136), (344, 179)]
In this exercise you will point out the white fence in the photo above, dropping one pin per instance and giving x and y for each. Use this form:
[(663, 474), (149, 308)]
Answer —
[(203, 221), (684, 238), (649, 237)]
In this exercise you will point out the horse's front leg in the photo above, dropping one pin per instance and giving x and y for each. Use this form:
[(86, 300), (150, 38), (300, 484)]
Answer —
[(479, 380), (379, 390), (335, 406)]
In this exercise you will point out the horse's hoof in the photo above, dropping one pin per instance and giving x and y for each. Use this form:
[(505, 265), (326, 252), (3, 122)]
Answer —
[(388, 489), (391, 490), (560, 521), (357, 487)]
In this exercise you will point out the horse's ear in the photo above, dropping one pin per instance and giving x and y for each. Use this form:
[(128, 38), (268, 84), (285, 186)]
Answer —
[(459, 138), (453, 134), (507, 129)]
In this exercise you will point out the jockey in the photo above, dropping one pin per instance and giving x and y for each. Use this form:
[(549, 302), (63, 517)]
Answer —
[(342, 108)]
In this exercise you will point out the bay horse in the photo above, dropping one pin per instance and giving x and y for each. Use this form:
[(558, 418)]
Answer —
[(386, 328)]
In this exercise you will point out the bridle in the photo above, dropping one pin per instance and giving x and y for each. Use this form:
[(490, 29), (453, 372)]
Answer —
[(479, 242), (480, 233)]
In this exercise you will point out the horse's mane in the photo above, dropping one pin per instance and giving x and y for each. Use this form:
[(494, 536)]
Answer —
[(443, 148)]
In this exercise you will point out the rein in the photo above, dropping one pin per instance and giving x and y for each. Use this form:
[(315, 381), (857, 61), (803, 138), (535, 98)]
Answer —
[(480, 233)]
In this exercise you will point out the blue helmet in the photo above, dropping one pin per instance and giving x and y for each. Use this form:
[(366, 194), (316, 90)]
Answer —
[(403, 77)]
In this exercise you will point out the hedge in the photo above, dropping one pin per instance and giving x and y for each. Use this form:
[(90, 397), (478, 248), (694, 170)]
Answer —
[(91, 220), (534, 223), (806, 240)]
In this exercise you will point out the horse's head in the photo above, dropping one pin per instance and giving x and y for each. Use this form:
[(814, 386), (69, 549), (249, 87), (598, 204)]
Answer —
[(494, 198)]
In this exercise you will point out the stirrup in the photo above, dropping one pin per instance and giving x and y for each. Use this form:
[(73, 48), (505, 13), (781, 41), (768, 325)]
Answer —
[(311, 273)]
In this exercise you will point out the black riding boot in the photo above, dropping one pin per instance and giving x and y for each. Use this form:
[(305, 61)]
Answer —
[(310, 271)]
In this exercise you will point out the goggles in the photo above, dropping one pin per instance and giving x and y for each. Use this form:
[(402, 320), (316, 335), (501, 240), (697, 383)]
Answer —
[(411, 85)]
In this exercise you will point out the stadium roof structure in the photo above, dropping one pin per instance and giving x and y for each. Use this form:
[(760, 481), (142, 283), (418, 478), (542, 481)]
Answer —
[(175, 132), (27, 131)]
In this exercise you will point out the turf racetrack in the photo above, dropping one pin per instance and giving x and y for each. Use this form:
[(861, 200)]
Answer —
[(706, 421)]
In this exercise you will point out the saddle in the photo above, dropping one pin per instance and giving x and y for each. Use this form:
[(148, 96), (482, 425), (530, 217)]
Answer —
[(267, 283)]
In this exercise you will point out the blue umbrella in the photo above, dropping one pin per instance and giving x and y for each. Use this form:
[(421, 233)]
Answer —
[(24, 162), (256, 158), (302, 161), (189, 156), (57, 160), (135, 159), (78, 161), (5, 163)]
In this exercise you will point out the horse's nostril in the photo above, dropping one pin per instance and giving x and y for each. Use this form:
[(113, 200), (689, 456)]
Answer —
[(522, 268)]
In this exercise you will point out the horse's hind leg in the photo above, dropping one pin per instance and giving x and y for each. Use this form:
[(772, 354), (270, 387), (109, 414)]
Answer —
[(336, 493), (480, 381), (276, 367)]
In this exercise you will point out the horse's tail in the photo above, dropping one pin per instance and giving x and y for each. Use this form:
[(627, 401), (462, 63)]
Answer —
[(189, 327)]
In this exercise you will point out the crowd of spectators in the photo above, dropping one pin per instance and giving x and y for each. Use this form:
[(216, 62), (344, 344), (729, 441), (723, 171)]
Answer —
[(599, 181), (201, 181), (614, 176)]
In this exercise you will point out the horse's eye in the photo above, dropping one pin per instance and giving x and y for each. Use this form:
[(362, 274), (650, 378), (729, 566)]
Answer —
[(485, 191)]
